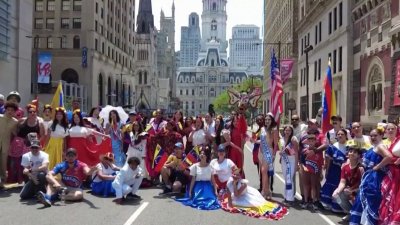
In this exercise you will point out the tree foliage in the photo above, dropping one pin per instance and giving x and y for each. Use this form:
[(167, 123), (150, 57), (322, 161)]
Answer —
[(221, 102)]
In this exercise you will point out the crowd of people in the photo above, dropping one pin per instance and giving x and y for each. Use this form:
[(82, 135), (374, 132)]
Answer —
[(54, 153)]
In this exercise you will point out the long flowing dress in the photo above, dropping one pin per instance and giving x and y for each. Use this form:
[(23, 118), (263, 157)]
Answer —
[(138, 150), (116, 144), (87, 148), (55, 146), (17, 149), (238, 135), (288, 165), (203, 194), (251, 203), (368, 199), (337, 153), (389, 210)]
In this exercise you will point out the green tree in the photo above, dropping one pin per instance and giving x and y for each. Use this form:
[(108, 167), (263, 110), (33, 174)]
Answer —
[(221, 102)]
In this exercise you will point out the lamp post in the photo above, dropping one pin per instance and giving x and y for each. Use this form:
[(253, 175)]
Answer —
[(306, 51), (121, 100)]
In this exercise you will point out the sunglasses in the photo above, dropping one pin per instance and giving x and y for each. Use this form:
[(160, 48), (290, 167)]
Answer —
[(295, 119), (31, 112)]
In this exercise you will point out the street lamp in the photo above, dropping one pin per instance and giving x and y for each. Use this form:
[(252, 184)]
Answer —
[(306, 51)]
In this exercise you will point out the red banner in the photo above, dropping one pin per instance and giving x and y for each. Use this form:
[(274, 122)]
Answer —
[(286, 69), (397, 85)]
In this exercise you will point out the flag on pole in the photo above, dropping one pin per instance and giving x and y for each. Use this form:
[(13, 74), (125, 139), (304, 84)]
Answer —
[(58, 98), (328, 100), (276, 88)]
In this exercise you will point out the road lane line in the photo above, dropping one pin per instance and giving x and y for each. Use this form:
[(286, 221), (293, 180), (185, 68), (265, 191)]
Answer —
[(298, 195), (136, 214)]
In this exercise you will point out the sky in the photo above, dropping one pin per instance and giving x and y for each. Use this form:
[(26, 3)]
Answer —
[(239, 12)]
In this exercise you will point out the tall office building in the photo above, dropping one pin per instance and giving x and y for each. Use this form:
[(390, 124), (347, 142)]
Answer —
[(90, 44), (190, 42), (245, 48)]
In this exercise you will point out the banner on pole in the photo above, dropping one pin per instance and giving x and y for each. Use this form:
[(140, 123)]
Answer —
[(397, 85), (286, 69), (44, 67)]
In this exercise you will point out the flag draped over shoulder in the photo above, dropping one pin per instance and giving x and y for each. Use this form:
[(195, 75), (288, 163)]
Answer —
[(58, 98), (192, 157), (328, 101), (160, 157), (276, 88)]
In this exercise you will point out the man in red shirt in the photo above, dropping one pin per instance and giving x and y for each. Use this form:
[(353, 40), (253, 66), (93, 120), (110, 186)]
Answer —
[(350, 179)]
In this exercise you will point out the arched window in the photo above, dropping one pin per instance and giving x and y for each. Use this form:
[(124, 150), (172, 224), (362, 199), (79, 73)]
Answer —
[(100, 90), (140, 77), (213, 25), (145, 77), (109, 92), (214, 6), (375, 89), (70, 76), (76, 42)]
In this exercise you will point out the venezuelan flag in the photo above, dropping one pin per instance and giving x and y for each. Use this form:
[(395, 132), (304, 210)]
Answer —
[(192, 157), (160, 157), (328, 100), (58, 98)]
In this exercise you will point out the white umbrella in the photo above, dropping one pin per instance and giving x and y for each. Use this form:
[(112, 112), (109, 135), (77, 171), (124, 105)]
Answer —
[(106, 111)]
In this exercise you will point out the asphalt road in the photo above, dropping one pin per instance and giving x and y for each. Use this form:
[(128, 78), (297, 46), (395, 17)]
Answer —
[(151, 210)]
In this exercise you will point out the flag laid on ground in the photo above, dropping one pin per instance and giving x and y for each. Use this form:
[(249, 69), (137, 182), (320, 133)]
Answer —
[(276, 88), (160, 157), (58, 99), (328, 101), (192, 157)]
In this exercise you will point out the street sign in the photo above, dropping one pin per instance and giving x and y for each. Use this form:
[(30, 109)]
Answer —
[(291, 104)]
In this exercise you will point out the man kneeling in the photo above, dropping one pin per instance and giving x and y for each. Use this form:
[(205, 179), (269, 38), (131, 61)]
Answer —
[(128, 180), (73, 172), (35, 165)]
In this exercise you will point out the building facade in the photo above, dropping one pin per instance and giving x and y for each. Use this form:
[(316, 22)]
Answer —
[(190, 42), (372, 73), (16, 47), (166, 60), (394, 108), (91, 44), (280, 34), (324, 28), (245, 48), (198, 86)]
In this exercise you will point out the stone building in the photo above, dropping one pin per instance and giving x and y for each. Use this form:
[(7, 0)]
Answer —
[(91, 44), (372, 74), (16, 48), (280, 19)]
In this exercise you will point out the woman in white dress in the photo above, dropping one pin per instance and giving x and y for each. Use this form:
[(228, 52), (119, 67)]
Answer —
[(247, 200), (198, 135), (137, 146)]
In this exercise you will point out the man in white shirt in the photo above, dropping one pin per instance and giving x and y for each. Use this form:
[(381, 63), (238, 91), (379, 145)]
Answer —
[(298, 127), (35, 165), (128, 180), (330, 137)]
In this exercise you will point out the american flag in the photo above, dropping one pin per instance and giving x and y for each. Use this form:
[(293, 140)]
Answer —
[(276, 88)]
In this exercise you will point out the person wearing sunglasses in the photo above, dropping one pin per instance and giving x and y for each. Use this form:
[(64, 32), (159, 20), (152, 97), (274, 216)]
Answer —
[(35, 163), (298, 126), (20, 143)]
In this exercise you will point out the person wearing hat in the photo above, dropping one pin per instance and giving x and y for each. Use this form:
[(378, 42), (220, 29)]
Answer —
[(172, 173), (8, 125), (73, 172), (16, 98), (222, 167), (350, 179), (2, 109), (35, 165), (104, 176)]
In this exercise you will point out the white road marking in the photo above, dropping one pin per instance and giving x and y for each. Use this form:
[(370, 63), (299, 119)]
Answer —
[(298, 195), (136, 214)]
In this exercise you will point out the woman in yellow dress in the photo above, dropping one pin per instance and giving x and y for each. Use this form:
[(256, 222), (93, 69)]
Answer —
[(58, 130)]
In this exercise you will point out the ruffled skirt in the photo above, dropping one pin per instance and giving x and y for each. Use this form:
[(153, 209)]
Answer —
[(203, 197)]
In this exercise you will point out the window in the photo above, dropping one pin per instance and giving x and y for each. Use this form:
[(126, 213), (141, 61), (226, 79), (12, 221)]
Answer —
[(319, 69), (330, 22), (76, 23), (316, 35), (180, 92), (64, 23), (192, 91), (102, 48), (38, 23), (63, 42), (302, 46), (51, 5), (303, 108), (320, 31), (36, 43), (316, 103), (97, 7), (96, 44), (192, 105), (76, 42), (39, 5), (65, 5), (340, 59), (334, 61), (214, 6), (77, 5), (375, 89), (340, 14), (50, 42), (50, 23), (145, 77), (335, 18), (301, 77), (315, 70), (140, 78), (187, 92)]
